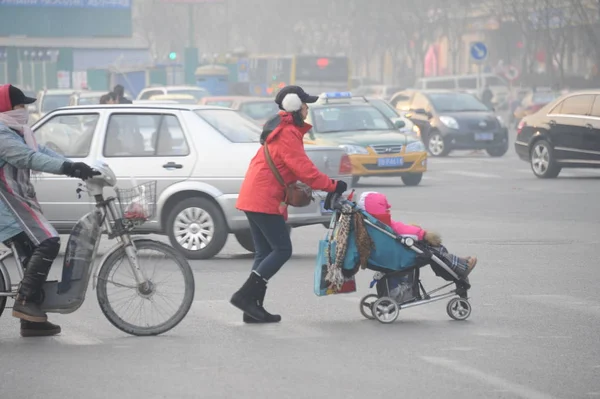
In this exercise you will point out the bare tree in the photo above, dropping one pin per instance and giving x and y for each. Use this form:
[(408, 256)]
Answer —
[(454, 24)]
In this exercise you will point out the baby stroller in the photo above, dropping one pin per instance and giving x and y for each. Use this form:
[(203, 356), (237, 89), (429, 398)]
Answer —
[(396, 259)]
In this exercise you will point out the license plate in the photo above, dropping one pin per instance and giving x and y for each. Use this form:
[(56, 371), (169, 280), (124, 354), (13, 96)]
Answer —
[(323, 210), (390, 162), (484, 136)]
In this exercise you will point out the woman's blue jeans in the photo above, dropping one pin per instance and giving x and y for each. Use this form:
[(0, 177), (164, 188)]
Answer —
[(272, 243)]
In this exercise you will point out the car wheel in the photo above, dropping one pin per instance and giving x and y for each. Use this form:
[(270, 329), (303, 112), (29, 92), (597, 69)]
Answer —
[(437, 145), (497, 151), (197, 228), (355, 180), (542, 159), (244, 238), (412, 179)]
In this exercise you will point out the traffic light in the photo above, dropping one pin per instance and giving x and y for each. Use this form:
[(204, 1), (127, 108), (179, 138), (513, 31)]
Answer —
[(172, 55)]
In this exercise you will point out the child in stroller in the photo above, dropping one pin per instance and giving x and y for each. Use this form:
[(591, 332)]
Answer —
[(358, 239), (377, 205)]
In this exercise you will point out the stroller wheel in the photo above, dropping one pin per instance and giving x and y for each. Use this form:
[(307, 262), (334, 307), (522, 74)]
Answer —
[(458, 309), (386, 310), (366, 305)]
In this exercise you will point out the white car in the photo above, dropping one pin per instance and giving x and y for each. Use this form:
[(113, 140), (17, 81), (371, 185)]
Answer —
[(197, 154), (149, 92)]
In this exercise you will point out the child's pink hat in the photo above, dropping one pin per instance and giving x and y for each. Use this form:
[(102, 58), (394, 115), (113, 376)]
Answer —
[(374, 203)]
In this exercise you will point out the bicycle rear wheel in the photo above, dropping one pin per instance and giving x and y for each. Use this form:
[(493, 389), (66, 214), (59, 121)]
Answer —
[(112, 303), (3, 299)]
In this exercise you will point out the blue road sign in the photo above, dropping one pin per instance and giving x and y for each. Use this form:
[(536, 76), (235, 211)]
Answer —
[(479, 51)]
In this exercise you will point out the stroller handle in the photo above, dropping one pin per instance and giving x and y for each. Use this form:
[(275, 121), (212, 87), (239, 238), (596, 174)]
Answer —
[(338, 200)]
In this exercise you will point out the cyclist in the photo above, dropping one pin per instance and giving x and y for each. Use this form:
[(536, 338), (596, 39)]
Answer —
[(21, 217)]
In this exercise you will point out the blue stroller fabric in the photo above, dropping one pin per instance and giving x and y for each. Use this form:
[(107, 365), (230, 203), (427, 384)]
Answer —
[(387, 254)]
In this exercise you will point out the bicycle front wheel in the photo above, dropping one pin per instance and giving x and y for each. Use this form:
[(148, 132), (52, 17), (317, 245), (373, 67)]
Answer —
[(145, 309)]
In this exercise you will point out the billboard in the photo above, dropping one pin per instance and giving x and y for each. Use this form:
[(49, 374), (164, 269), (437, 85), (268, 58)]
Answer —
[(65, 18)]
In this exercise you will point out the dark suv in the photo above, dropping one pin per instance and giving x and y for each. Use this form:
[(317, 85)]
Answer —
[(563, 134), (453, 121)]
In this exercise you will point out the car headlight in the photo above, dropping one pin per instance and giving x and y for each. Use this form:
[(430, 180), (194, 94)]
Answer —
[(449, 121), (354, 149), (500, 121), (415, 146)]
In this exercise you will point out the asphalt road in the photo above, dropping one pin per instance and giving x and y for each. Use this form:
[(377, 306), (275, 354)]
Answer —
[(533, 332)]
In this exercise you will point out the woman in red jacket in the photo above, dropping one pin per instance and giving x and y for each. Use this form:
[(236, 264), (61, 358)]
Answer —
[(261, 197)]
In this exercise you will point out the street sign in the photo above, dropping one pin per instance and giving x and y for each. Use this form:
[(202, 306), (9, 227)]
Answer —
[(478, 51), (512, 73)]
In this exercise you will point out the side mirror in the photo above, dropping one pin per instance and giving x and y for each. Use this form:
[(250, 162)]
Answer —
[(399, 123)]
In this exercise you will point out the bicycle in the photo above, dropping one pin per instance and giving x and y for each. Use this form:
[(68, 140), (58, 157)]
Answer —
[(136, 206)]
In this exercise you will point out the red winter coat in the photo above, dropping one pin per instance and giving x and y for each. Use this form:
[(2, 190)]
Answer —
[(261, 192)]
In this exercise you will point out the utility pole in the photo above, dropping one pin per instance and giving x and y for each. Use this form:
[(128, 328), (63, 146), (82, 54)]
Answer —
[(191, 29)]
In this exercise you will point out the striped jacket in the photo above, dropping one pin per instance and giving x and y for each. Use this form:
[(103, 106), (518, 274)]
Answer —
[(19, 208)]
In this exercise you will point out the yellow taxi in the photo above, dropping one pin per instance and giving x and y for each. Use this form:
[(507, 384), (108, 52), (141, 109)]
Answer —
[(374, 143)]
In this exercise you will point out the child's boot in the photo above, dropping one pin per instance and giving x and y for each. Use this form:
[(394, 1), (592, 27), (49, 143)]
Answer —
[(471, 263)]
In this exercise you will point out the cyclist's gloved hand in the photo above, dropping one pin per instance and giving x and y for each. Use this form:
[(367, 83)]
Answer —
[(340, 187), (79, 170)]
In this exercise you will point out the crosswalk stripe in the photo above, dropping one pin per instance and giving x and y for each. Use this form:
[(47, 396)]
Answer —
[(222, 312), (472, 174), (454, 366), (75, 338), (565, 302)]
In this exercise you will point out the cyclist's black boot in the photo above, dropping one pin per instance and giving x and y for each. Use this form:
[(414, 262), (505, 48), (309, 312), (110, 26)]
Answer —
[(46, 329), (268, 317), (27, 306), (246, 298)]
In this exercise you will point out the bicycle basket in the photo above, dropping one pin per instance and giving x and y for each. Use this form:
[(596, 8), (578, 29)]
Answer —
[(138, 204)]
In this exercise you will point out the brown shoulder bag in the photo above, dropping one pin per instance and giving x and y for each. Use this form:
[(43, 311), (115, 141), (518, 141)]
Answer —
[(296, 194)]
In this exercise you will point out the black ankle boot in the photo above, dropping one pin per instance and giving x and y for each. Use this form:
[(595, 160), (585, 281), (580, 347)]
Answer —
[(268, 317), (46, 329), (246, 298), (28, 310)]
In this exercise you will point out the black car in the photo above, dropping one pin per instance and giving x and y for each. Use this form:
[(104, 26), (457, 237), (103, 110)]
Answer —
[(563, 134), (453, 121)]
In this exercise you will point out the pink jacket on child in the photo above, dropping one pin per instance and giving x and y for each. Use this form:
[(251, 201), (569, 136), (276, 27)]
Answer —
[(377, 205)]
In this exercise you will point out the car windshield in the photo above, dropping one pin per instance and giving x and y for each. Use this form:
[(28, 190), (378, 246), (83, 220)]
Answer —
[(231, 124), (543, 98), (348, 118), (90, 100), (385, 108), (259, 110), (53, 101), (456, 102), (198, 94)]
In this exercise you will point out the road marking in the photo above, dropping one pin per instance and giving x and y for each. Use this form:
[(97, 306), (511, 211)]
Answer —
[(499, 383), (222, 311), (472, 174), (74, 338), (564, 301)]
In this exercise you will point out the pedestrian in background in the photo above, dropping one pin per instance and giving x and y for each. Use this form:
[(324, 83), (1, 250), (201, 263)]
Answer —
[(262, 199), (120, 98)]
